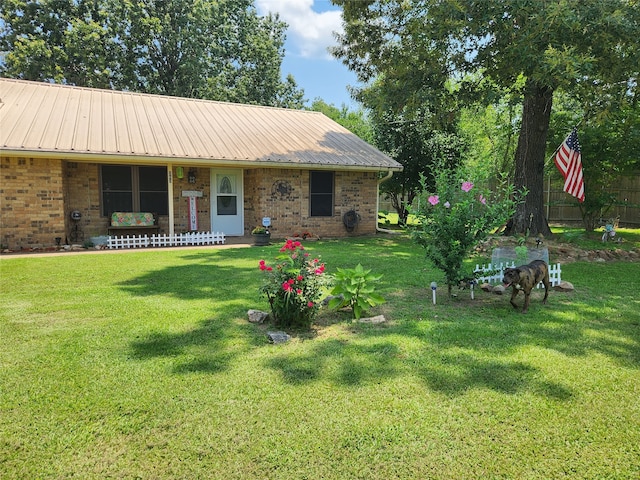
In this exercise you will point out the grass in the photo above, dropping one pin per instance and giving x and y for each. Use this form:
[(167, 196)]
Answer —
[(141, 364)]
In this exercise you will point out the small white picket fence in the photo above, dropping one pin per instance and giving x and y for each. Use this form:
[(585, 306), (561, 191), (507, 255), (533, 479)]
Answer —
[(165, 240), (495, 272)]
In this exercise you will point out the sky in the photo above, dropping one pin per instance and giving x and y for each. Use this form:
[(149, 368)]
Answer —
[(310, 33)]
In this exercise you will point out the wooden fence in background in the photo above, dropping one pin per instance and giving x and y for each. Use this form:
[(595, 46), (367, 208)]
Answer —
[(563, 208)]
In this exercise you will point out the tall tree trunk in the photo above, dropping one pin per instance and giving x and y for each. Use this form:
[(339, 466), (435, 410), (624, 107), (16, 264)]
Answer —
[(530, 157)]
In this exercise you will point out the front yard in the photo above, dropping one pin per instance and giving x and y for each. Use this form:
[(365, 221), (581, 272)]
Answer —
[(142, 364)]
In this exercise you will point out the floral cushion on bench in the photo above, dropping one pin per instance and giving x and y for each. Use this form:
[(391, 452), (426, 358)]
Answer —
[(132, 219)]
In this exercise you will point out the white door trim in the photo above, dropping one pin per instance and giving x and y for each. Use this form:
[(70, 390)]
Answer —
[(230, 225)]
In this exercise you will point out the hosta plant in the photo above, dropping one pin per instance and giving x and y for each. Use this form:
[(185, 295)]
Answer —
[(354, 289)]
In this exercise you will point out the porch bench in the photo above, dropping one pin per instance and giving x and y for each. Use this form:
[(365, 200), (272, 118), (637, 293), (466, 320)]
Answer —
[(132, 223)]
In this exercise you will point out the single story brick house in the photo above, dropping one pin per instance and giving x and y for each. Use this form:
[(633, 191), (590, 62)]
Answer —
[(71, 156)]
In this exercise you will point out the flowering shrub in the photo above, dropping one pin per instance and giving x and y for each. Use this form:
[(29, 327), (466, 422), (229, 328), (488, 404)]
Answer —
[(293, 285), (455, 218)]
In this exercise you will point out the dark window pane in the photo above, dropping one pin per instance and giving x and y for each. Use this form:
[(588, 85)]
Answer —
[(153, 179), (117, 192), (322, 182), (152, 184), (321, 205), (154, 202), (121, 194), (116, 202), (116, 178), (227, 205), (321, 196)]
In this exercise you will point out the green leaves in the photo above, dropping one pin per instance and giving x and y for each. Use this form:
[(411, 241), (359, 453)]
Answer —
[(214, 49), (456, 217), (354, 289)]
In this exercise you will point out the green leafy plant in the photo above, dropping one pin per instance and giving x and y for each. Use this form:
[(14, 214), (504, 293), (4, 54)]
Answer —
[(521, 254), (454, 218), (293, 285), (259, 231), (354, 289)]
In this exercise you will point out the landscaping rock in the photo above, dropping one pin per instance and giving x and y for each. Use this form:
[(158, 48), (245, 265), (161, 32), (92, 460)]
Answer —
[(486, 287), (278, 337), (564, 287), (257, 316), (376, 319), (326, 301), (498, 290)]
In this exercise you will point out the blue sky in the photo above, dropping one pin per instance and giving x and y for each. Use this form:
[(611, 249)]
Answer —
[(310, 33)]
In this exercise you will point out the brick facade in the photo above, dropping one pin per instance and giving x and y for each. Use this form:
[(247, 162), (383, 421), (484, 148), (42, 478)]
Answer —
[(283, 195), (31, 202), (38, 195)]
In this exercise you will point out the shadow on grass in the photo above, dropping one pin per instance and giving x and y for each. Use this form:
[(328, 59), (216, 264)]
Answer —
[(467, 344), (228, 292)]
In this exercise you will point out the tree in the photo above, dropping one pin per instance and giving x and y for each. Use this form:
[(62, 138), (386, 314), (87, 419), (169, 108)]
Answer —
[(552, 45), (609, 132), (354, 121), (219, 50)]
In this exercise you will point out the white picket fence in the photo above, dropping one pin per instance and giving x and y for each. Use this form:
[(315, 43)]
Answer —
[(165, 240), (495, 272)]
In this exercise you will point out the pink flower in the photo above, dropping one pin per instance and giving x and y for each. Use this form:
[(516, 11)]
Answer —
[(466, 186), (269, 269), (262, 265), (300, 278), (286, 287), (447, 204), (299, 291), (433, 199), (310, 304), (320, 269), (482, 199)]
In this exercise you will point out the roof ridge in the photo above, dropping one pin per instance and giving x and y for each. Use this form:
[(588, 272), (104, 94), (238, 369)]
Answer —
[(145, 94)]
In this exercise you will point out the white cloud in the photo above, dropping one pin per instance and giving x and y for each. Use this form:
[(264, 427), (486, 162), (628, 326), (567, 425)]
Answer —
[(310, 33)]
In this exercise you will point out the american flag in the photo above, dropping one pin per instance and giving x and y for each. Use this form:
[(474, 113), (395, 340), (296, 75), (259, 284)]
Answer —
[(569, 161)]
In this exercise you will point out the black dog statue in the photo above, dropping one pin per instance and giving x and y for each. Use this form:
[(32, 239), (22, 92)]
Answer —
[(525, 278)]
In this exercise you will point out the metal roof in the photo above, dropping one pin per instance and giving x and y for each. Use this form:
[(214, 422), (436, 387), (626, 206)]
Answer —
[(59, 121)]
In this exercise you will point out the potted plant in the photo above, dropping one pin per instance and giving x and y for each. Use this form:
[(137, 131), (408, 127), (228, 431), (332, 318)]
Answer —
[(261, 236)]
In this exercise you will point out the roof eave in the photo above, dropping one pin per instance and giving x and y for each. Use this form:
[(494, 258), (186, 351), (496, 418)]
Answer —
[(74, 156)]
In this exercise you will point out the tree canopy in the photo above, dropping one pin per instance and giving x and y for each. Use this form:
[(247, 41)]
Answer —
[(567, 45), (213, 49)]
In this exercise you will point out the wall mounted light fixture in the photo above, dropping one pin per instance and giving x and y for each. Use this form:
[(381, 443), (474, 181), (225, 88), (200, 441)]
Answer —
[(192, 175), (180, 172)]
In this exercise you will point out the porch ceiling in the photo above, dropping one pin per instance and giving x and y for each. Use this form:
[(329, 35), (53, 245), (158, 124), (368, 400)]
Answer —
[(59, 121)]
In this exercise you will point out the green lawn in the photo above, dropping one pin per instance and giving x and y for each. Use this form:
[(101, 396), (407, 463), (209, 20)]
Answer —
[(141, 364)]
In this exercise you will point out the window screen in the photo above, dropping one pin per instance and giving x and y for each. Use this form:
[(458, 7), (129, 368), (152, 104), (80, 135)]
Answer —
[(134, 189), (321, 194)]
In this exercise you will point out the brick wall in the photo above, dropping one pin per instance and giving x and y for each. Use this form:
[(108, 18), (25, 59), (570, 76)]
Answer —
[(181, 204), (38, 195), (82, 193), (31, 202), (283, 195)]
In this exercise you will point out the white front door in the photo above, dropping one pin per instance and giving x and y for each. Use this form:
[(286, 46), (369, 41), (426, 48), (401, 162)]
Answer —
[(227, 202)]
